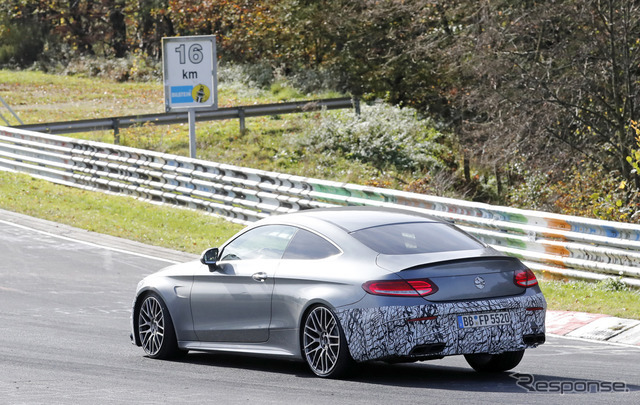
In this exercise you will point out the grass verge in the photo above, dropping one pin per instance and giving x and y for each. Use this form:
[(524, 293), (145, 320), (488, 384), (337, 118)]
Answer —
[(605, 297), (269, 142), (125, 217), (192, 231)]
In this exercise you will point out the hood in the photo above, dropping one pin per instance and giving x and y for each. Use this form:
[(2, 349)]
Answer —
[(180, 269)]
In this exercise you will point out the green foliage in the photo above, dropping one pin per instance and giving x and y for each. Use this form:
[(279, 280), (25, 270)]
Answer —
[(53, 98), (133, 67), (584, 192), (23, 34), (313, 79), (20, 45), (254, 76), (383, 136), (612, 284), (532, 191), (283, 92), (634, 158), (246, 30), (581, 190)]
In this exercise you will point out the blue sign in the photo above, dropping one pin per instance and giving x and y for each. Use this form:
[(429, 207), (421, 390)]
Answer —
[(181, 94)]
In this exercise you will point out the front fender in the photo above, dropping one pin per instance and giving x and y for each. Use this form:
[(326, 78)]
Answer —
[(175, 291)]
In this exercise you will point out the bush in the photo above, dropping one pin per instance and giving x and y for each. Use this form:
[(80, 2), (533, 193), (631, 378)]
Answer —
[(383, 136), (583, 190), (533, 192), (134, 67), (612, 284), (277, 79), (250, 75), (20, 45), (317, 80)]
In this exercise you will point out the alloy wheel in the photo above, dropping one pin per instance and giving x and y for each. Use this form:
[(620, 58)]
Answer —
[(151, 326), (321, 341)]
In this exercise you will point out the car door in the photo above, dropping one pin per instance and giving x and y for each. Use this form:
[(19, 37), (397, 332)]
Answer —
[(232, 303)]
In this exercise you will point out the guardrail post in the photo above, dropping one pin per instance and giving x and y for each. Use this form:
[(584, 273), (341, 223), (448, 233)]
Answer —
[(243, 128), (5, 120), (116, 131), (11, 111), (356, 105)]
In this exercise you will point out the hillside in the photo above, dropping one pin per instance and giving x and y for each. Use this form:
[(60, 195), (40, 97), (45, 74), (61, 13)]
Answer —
[(385, 146)]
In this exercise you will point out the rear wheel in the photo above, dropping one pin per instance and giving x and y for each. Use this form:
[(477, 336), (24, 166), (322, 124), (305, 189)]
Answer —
[(494, 363), (323, 344), (155, 329)]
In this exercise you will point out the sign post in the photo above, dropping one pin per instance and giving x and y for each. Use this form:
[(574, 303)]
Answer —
[(190, 77)]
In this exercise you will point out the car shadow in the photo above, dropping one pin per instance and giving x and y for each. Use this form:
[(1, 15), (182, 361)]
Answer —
[(438, 376), (246, 362), (418, 375)]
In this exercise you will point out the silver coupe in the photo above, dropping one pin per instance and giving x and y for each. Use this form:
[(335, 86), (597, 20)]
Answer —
[(336, 287)]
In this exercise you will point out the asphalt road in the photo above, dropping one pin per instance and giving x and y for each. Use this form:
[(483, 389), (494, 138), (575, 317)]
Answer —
[(64, 327)]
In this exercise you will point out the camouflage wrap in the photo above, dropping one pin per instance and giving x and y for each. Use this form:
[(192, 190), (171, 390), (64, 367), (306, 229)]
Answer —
[(394, 331)]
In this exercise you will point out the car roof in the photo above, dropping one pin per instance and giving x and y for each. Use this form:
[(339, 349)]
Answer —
[(352, 219)]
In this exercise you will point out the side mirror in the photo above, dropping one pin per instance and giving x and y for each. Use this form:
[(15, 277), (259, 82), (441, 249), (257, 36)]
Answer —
[(210, 257)]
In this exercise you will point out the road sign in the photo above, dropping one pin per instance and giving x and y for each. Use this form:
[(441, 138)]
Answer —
[(189, 70)]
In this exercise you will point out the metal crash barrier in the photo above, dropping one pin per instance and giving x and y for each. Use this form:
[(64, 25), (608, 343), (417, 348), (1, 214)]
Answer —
[(556, 245)]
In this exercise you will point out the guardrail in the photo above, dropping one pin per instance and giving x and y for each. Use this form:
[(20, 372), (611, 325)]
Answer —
[(240, 113), (553, 244)]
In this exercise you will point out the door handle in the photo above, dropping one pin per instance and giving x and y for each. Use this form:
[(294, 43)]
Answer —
[(260, 277)]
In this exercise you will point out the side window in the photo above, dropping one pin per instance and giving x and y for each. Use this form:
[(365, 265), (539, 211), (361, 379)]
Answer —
[(265, 242), (308, 246)]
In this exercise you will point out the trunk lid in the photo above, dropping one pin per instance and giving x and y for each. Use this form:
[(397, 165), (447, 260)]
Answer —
[(469, 278)]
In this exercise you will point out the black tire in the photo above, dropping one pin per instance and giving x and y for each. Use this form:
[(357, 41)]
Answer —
[(155, 329), (494, 363), (324, 346)]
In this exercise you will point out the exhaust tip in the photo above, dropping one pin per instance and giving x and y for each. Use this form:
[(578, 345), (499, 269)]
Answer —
[(534, 339), (428, 349)]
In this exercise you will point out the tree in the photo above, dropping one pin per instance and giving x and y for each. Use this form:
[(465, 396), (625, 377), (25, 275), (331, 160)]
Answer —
[(23, 32), (117, 22), (245, 29), (560, 75)]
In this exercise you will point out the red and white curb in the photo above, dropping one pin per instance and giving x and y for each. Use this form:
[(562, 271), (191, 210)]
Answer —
[(593, 327)]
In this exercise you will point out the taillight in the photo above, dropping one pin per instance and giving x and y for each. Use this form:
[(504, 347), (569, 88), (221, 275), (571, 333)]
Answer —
[(525, 278), (401, 288)]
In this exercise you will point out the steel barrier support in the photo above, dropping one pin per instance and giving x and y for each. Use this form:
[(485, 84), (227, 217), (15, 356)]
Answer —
[(107, 124)]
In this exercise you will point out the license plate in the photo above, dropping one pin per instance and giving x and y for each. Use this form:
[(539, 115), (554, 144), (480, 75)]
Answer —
[(485, 319)]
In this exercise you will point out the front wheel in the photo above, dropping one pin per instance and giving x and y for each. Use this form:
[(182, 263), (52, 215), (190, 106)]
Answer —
[(155, 329), (323, 344), (494, 363)]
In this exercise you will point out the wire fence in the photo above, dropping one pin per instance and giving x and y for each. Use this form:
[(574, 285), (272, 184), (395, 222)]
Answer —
[(556, 245)]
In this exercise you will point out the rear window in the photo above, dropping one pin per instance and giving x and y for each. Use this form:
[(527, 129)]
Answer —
[(416, 237)]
